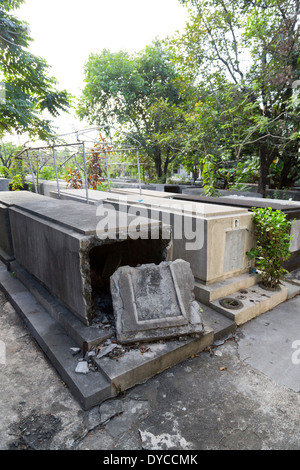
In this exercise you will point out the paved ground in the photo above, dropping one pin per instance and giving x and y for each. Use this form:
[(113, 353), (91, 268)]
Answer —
[(242, 394)]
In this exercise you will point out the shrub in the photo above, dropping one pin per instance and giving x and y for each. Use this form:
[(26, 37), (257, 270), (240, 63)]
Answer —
[(272, 230), (17, 183)]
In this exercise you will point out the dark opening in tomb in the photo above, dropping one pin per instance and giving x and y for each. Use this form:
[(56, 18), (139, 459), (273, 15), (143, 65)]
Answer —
[(106, 259)]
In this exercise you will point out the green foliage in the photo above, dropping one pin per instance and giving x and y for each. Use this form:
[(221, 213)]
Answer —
[(29, 89), (247, 170), (17, 183), (8, 151), (125, 89), (273, 238), (47, 173), (224, 88), (246, 53)]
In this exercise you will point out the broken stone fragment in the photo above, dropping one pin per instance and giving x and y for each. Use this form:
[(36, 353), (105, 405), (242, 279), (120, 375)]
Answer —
[(153, 302), (89, 355), (75, 351), (82, 367), (107, 349)]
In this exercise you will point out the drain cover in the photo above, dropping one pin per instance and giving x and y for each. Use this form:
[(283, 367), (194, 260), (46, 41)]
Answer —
[(231, 303)]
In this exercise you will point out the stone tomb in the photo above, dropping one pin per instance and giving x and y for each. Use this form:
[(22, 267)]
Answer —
[(217, 256), (55, 248), (57, 242), (212, 238)]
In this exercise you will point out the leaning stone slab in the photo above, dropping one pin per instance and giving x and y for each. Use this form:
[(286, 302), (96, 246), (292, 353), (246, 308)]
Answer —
[(152, 302)]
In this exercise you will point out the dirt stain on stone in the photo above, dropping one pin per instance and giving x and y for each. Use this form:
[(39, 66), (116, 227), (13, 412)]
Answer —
[(35, 431)]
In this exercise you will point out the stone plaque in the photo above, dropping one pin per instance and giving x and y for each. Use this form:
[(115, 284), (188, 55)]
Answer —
[(155, 301), (234, 250)]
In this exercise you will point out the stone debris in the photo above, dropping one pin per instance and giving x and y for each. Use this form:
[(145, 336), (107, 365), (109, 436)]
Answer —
[(82, 367), (105, 350), (75, 351)]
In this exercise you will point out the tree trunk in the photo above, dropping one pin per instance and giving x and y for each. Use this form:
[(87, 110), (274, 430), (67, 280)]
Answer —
[(264, 171), (157, 161)]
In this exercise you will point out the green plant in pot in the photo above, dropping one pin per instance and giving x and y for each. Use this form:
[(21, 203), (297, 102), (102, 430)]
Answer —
[(272, 231)]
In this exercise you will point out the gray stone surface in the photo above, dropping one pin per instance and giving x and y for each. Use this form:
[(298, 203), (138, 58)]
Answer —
[(294, 277), (268, 344), (154, 302), (9, 199), (100, 373), (234, 250), (55, 342), (295, 233), (4, 184), (216, 400)]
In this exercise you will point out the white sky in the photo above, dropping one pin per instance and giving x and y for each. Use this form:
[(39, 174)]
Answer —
[(65, 32)]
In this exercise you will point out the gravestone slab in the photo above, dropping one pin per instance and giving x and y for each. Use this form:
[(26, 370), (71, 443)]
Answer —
[(153, 302), (4, 184)]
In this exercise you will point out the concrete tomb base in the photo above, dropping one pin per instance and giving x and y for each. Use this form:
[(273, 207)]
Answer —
[(59, 243), (62, 265)]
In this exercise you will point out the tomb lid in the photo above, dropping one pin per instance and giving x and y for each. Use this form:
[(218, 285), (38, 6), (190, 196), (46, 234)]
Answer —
[(81, 218), (156, 201), (11, 198), (244, 202)]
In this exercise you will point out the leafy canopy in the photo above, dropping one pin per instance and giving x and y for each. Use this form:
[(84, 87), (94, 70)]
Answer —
[(29, 89), (124, 89), (247, 53)]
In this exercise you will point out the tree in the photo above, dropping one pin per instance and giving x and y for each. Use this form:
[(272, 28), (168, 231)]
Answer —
[(249, 51), (124, 89), (29, 89), (8, 151)]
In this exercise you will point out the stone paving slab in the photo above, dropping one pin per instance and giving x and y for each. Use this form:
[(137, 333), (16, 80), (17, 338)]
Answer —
[(271, 344), (254, 301), (136, 366)]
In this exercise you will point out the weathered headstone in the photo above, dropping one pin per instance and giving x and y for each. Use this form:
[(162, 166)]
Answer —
[(152, 302), (4, 184)]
